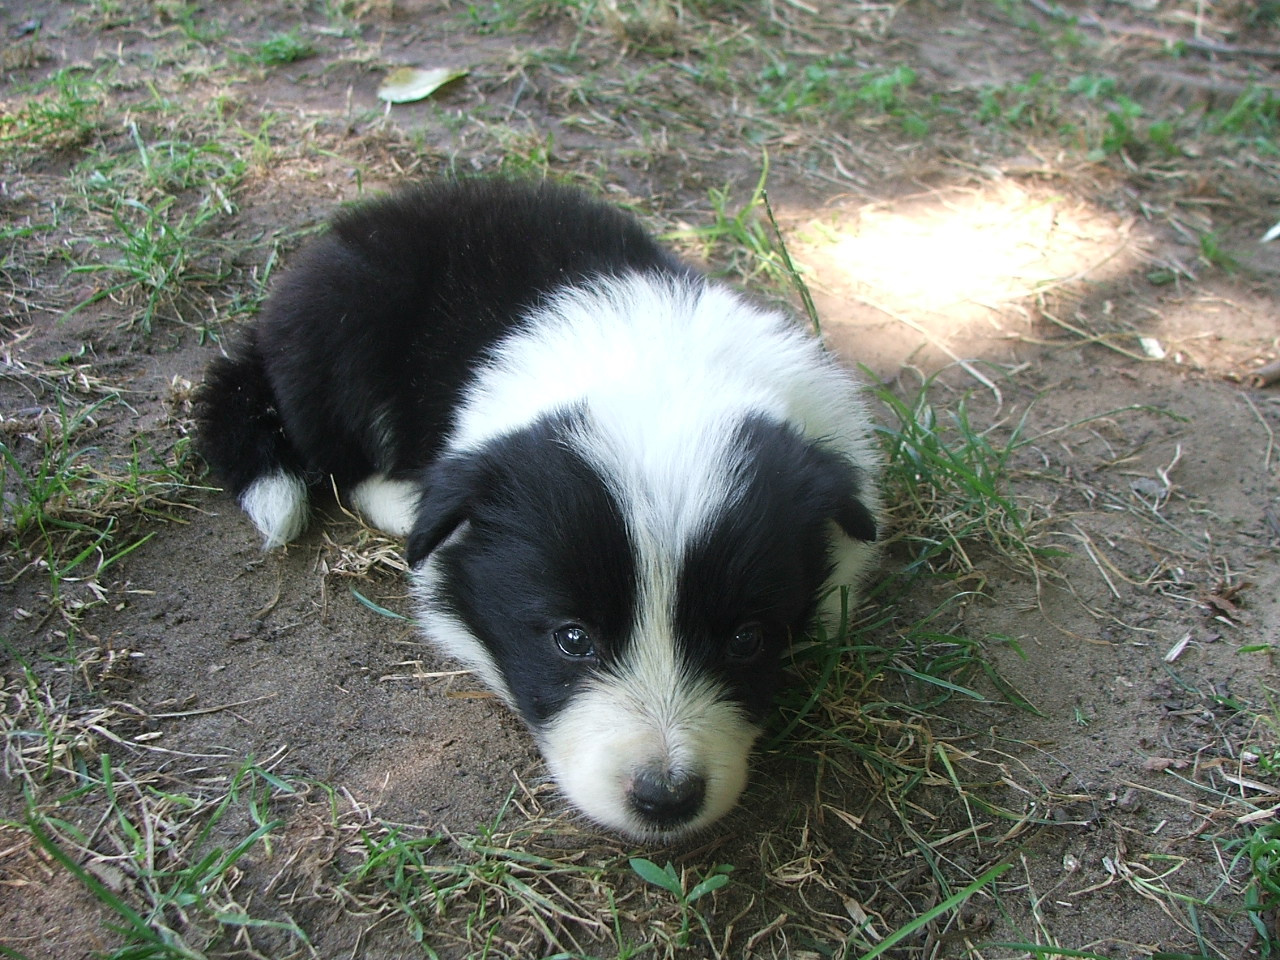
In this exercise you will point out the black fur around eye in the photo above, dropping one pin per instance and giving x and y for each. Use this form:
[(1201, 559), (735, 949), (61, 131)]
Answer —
[(747, 641), (574, 641)]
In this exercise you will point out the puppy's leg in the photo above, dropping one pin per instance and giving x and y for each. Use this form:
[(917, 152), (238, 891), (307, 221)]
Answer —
[(390, 505), (242, 436)]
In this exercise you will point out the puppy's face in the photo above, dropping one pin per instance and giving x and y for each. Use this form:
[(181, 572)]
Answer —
[(639, 638)]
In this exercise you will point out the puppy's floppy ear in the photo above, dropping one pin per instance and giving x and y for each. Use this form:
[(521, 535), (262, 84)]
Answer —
[(856, 520), (837, 483), (816, 475), (451, 486), (840, 483)]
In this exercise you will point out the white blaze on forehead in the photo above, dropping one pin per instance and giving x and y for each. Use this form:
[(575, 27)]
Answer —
[(641, 339)]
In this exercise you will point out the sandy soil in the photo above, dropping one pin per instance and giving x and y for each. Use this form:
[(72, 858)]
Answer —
[(1156, 472)]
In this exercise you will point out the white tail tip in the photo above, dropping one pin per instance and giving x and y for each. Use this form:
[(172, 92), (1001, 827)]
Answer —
[(277, 505)]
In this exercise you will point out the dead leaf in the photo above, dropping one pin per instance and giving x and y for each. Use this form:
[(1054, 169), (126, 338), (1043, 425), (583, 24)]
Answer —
[(1160, 764), (1223, 599), (408, 84)]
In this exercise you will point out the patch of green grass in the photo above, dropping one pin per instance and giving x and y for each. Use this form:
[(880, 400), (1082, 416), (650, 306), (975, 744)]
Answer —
[(1213, 253), (163, 860), (160, 201), (193, 20), (152, 255), (741, 240), (1257, 852), (951, 482), (1124, 128), (492, 884), (72, 508), (526, 154), (1030, 104), (1253, 117), (281, 48), (183, 878), (167, 165), (59, 113), (835, 87)]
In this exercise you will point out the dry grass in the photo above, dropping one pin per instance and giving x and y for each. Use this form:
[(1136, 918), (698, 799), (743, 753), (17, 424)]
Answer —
[(919, 817)]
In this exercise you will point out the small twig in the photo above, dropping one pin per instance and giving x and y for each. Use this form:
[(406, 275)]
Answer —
[(1264, 376), (1271, 437), (937, 342)]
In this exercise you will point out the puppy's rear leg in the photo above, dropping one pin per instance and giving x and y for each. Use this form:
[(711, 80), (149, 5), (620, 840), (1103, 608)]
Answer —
[(243, 437), (390, 505)]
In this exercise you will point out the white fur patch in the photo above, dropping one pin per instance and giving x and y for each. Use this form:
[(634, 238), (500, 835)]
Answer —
[(449, 633), (277, 505), (389, 505)]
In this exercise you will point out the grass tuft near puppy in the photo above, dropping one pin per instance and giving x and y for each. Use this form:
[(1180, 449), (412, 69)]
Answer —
[(624, 486)]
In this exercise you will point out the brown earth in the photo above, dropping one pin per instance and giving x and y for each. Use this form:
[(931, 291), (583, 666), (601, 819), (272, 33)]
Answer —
[(1021, 272)]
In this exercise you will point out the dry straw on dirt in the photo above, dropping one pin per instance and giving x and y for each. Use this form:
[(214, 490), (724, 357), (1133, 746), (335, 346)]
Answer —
[(1049, 731)]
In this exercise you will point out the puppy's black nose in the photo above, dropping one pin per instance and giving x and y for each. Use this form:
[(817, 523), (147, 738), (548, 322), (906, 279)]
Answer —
[(667, 798)]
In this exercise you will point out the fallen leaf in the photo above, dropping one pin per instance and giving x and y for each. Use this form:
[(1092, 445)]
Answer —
[(1223, 599), (407, 84)]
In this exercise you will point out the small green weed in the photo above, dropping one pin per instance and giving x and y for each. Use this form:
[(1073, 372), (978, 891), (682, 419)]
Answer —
[(668, 879), (1029, 104), (1259, 851), (1213, 253), (1124, 127), (1255, 113)]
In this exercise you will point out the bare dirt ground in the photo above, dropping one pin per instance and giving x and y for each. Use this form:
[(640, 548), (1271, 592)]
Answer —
[(1043, 240)]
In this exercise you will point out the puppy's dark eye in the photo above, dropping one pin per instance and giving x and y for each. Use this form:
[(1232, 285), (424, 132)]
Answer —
[(574, 641), (746, 642)]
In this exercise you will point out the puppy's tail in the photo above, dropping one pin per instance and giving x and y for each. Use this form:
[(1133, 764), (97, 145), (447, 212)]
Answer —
[(242, 436)]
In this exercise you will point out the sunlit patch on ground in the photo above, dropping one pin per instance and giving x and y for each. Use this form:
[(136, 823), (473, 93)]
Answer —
[(951, 267)]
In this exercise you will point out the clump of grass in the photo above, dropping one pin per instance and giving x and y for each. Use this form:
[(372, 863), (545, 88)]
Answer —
[(1213, 253), (281, 48), (742, 240), (1124, 127), (1255, 113), (1261, 848), (950, 482), (156, 247), (152, 249), (71, 508), (835, 87), (60, 113), (161, 858), (1031, 103)]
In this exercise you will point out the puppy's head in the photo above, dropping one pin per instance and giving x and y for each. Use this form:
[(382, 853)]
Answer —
[(634, 618)]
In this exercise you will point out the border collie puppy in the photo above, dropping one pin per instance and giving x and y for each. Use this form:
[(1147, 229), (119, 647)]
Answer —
[(624, 486)]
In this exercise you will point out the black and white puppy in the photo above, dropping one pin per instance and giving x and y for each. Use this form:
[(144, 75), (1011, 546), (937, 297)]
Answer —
[(625, 487)]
